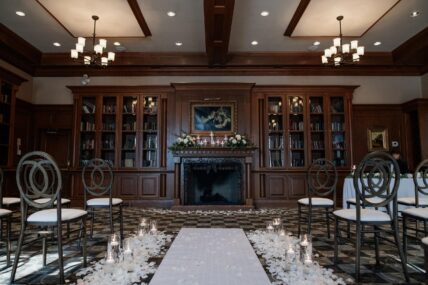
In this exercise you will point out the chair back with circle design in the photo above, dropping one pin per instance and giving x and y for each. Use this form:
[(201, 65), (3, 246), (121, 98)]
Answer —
[(376, 182), (38, 176), (322, 179), (420, 179), (97, 178), (1, 188)]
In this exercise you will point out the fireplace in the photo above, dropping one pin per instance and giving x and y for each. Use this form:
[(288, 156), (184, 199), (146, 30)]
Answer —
[(211, 176), (213, 181)]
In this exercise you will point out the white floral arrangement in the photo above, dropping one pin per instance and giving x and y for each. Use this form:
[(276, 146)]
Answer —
[(238, 140), (184, 141)]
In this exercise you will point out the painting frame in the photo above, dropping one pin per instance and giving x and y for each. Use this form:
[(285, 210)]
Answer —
[(377, 139), (228, 118)]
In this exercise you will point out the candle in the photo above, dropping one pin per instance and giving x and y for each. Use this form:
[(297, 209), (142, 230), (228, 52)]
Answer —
[(153, 226), (269, 226), (276, 221), (304, 241), (217, 142), (290, 253), (222, 143), (127, 249), (225, 137), (143, 222), (114, 240), (205, 142), (282, 233), (308, 260), (110, 258), (141, 232)]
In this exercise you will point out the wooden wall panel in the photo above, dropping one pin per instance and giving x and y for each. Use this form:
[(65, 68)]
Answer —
[(128, 185), (150, 185), (375, 116), (277, 186)]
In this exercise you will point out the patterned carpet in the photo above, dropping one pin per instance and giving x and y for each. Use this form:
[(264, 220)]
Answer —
[(30, 270)]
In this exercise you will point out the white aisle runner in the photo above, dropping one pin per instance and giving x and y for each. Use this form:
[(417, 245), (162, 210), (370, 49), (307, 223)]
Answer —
[(211, 256)]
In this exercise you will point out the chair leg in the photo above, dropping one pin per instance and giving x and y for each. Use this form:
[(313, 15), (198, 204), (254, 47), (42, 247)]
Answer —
[(400, 250), (349, 223), (44, 250), (405, 237), (17, 252), (299, 210), (60, 255), (336, 242), (328, 222), (121, 222), (357, 251), (111, 220), (92, 221), (309, 218), (376, 245), (84, 241), (8, 243)]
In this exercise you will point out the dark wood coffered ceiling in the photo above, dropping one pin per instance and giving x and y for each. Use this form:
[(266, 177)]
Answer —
[(409, 58)]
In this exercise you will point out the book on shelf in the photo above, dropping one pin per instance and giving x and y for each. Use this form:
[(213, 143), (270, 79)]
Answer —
[(88, 107), (276, 159), (316, 108)]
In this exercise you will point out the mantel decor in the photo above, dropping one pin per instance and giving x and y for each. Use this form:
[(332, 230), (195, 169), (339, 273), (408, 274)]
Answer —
[(189, 141), (207, 117)]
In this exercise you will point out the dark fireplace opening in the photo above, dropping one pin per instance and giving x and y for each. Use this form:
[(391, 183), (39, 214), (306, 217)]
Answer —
[(213, 183)]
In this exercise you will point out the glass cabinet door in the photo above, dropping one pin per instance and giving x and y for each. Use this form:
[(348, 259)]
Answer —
[(129, 131), (276, 132), (317, 128), (108, 137), (338, 134), (87, 130), (150, 132), (296, 131)]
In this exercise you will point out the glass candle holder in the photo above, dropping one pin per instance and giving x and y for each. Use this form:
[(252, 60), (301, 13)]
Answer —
[(276, 223), (114, 240), (269, 227), (305, 247), (153, 227)]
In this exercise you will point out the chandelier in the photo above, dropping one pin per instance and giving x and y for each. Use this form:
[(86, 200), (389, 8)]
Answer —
[(340, 53), (97, 57)]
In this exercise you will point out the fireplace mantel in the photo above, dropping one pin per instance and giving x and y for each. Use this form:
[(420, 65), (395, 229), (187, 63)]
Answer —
[(245, 154)]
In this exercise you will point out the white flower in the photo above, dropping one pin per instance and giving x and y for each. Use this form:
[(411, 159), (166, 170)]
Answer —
[(244, 142), (238, 137), (183, 135), (179, 140), (185, 140), (234, 141)]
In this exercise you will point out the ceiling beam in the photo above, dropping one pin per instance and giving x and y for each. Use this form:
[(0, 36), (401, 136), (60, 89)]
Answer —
[(414, 51), (17, 51), (296, 17), (140, 18), (218, 23)]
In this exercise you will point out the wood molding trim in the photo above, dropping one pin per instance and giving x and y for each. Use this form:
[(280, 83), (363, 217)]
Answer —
[(120, 89), (413, 51), (11, 77), (17, 51), (140, 17), (296, 17), (213, 86), (218, 16)]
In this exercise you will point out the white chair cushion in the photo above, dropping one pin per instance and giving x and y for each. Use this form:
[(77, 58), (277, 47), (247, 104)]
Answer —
[(103, 201), (371, 200), (425, 241), (423, 201), (50, 215), (10, 200), (44, 200), (317, 201), (4, 212), (417, 212), (367, 215)]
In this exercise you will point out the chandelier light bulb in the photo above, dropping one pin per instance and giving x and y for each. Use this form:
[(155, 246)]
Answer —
[(360, 50), (354, 44), (81, 41), (98, 49), (87, 60), (103, 43), (74, 54), (336, 42), (345, 48), (333, 50), (104, 61), (355, 57), (327, 53), (111, 56), (79, 48), (324, 59)]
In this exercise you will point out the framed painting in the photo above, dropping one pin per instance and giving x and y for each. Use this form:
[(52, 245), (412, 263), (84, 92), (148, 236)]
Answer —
[(377, 139), (219, 118)]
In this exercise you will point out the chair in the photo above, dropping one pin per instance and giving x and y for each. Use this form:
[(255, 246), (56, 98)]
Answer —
[(97, 178), (5, 216), (373, 179), (38, 176), (425, 244), (322, 181), (416, 213), (8, 201)]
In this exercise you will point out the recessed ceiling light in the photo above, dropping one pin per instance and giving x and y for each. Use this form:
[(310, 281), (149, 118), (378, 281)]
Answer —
[(179, 44), (264, 13), (377, 43), (56, 44), (116, 43), (171, 13), (414, 14), (20, 13), (254, 43), (317, 43)]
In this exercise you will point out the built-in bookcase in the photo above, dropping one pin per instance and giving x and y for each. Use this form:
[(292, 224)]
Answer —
[(122, 129), (302, 127), (6, 111)]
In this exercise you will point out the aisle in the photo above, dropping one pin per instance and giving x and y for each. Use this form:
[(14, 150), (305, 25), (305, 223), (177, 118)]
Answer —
[(210, 256)]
